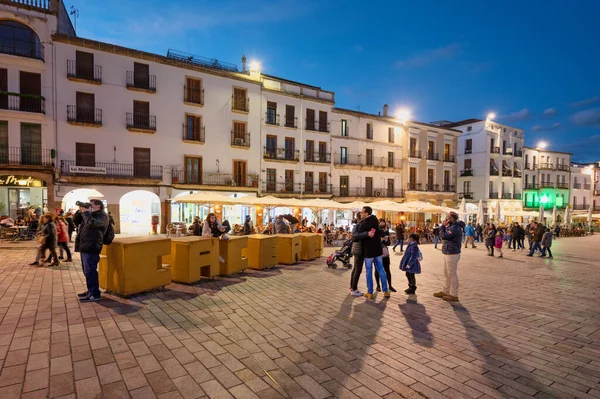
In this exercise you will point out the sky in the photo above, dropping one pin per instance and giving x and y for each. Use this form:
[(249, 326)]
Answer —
[(534, 63)]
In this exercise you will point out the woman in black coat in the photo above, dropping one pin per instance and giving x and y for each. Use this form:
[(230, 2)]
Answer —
[(490, 239)]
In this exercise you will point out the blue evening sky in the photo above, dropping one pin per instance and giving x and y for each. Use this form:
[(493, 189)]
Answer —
[(535, 63)]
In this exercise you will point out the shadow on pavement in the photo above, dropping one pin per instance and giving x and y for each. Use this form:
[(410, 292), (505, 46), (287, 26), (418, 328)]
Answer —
[(417, 318)]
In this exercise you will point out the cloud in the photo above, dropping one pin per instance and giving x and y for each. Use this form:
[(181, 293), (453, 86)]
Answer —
[(589, 117), (521, 115), (550, 112), (586, 103), (429, 57), (583, 150), (542, 128)]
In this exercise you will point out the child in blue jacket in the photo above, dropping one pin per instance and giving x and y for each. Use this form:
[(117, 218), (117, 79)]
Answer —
[(410, 262)]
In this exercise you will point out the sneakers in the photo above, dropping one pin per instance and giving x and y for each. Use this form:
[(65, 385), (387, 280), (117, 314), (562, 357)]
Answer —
[(386, 294), (450, 298), (83, 294), (90, 298), (356, 293), (369, 296), (440, 294)]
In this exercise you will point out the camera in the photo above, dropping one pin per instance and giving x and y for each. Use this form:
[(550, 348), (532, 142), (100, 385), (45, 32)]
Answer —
[(83, 204)]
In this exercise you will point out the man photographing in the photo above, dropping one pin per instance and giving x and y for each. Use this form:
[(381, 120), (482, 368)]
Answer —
[(451, 235), (89, 242)]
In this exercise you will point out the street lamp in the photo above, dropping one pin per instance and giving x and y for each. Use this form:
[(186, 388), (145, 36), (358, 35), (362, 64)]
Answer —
[(542, 144), (491, 116), (254, 68), (402, 115)]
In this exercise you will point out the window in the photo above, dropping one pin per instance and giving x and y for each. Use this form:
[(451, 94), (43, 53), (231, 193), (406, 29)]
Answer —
[(323, 182), (430, 149), (447, 152), (290, 116), (239, 134), (390, 187), (141, 162), (85, 154), (491, 188), (492, 144), (412, 176), (240, 99), (368, 186), (308, 182), (141, 75), (271, 178), (3, 87), (271, 146), (413, 145), (84, 107), (323, 151), (309, 155), (193, 170), (343, 155), (390, 159), (84, 65), (141, 114), (323, 124), (30, 83), (344, 186), (447, 180), (344, 127), (469, 128), (310, 119), (369, 131), (272, 113), (468, 146), (290, 148), (466, 188), (18, 39), (31, 144), (390, 134), (240, 173), (193, 128), (430, 178), (468, 164), (3, 142), (193, 91), (370, 157), (289, 180)]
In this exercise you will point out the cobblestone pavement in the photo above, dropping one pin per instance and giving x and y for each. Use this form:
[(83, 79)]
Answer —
[(525, 327)]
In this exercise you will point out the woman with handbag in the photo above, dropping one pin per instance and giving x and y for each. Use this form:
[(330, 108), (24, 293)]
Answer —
[(385, 242)]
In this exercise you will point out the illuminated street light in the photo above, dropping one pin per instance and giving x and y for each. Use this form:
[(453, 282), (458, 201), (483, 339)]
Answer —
[(542, 144), (402, 115), (254, 68), (491, 116)]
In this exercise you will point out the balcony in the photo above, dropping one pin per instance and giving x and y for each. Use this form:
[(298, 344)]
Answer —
[(564, 168), (519, 154), (83, 116), (468, 151), (111, 169), (368, 192), (433, 156), (141, 82), (317, 157), (517, 196), (414, 187), (281, 154), (450, 158), (516, 173), (319, 188), (507, 151), (530, 166), (507, 172), (25, 156), (415, 154), (394, 163), (178, 176), (84, 72), (323, 127), (587, 186), (310, 125), (348, 159), (466, 195), (493, 195), (546, 184), (271, 118), (466, 172), (596, 193), (562, 185), (494, 172), (507, 196), (21, 48), (194, 134), (448, 188), (291, 123), (577, 186), (531, 186), (240, 139), (281, 188), (193, 96), (546, 166), (495, 150), (596, 209), (581, 207), (432, 188), (240, 104), (22, 102), (141, 122)]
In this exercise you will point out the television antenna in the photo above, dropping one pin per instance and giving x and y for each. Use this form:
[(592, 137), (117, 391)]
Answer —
[(75, 13)]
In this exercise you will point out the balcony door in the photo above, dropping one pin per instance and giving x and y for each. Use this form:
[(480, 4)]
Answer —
[(310, 151), (31, 144), (289, 180), (446, 179), (466, 189), (368, 186), (271, 180), (310, 119), (85, 154), (84, 65), (430, 178), (141, 75), (344, 186), (308, 182), (390, 187), (290, 148), (412, 176), (85, 107), (3, 88), (240, 173), (271, 146), (322, 151), (141, 162), (3, 142), (193, 170), (31, 84), (323, 182), (141, 114)]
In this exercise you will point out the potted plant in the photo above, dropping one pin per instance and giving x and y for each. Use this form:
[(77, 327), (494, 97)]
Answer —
[(254, 179)]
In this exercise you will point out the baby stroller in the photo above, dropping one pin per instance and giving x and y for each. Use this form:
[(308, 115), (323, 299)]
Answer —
[(341, 256)]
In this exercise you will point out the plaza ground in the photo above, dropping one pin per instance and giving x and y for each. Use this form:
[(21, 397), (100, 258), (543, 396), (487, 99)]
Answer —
[(524, 327)]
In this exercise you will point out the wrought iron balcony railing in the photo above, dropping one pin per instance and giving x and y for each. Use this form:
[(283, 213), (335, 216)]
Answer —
[(466, 195), (449, 188), (141, 121), (495, 150), (25, 156), (450, 158), (21, 48), (111, 169), (493, 195), (84, 116), (91, 73), (317, 157), (239, 103), (240, 139), (466, 172), (318, 188), (281, 187), (140, 81), (291, 122), (282, 154), (22, 102), (181, 176), (271, 118), (194, 133), (433, 156), (193, 95)]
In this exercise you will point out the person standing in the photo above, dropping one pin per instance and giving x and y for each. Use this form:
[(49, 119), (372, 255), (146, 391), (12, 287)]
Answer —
[(436, 235), (499, 241), (399, 237), (537, 232), (63, 237), (410, 263), (509, 233), (247, 226), (196, 226), (557, 231), (370, 236), (451, 235), (48, 239), (385, 242), (89, 243), (546, 244), (490, 239), (70, 225), (479, 233), (359, 259), (470, 235)]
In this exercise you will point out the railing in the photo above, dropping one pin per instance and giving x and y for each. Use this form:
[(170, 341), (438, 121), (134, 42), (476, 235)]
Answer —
[(466, 172), (517, 196), (448, 188), (178, 176), (516, 173), (587, 186), (317, 157), (145, 82), (414, 154), (141, 121), (348, 159), (21, 48), (493, 195), (318, 188), (22, 102), (507, 172), (581, 207), (562, 185), (414, 187), (92, 73), (193, 96), (44, 5), (530, 166), (494, 172), (546, 184), (240, 139), (240, 104), (25, 156), (291, 123), (519, 154), (110, 169), (271, 119), (450, 158), (564, 168), (192, 133), (364, 160), (466, 195), (324, 127), (432, 187), (392, 163), (507, 151), (369, 192), (283, 154), (468, 150), (84, 116), (596, 193), (281, 187), (310, 125), (433, 156), (596, 208), (506, 196), (531, 186), (577, 186), (547, 166), (495, 150)]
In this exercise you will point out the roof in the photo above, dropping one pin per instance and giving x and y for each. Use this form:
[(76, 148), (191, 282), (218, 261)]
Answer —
[(291, 81), (547, 150), (463, 122)]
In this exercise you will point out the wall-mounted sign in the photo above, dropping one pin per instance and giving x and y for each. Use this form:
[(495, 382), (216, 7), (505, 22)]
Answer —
[(20, 181), (87, 169)]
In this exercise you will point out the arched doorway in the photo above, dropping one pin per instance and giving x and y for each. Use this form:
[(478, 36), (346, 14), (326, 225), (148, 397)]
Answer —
[(80, 194), (136, 209)]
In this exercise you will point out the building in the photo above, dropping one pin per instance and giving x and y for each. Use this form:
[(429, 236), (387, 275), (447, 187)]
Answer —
[(547, 177), (490, 160), (584, 189)]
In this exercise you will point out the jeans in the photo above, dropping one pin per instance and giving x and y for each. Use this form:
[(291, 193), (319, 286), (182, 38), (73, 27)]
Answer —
[(400, 242), (451, 274), (369, 270), (436, 239), (535, 245), (388, 273), (479, 237), (356, 272), (510, 239), (544, 249), (89, 262), (65, 246)]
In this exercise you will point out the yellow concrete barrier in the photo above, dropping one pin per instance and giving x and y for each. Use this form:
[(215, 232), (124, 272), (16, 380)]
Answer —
[(262, 251), (134, 264), (312, 246), (231, 252), (290, 248), (192, 258)]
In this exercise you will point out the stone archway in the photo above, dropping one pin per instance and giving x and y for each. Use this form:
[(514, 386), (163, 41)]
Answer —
[(136, 209)]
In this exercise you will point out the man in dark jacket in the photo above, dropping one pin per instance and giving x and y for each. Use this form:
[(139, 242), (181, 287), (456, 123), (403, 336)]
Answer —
[(359, 259), (537, 232), (370, 237), (89, 242), (451, 235)]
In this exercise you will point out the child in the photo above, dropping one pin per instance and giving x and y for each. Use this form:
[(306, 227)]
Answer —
[(547, 243), (410, 262), (499, 241)]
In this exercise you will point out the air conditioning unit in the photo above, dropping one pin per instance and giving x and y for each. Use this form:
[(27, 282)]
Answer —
[(238, 141)]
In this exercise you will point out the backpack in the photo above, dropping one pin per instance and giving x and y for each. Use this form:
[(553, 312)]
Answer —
[(109, 234)]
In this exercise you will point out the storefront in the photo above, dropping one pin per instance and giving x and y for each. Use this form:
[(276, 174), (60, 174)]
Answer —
[(18, 193), (136, 210)]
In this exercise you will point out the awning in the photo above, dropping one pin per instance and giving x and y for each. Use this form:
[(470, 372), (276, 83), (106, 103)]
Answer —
[(493, 164), (517, 168), (505, 165)]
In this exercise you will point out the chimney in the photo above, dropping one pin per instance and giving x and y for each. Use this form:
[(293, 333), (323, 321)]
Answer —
[(385, 110), (243, 63)]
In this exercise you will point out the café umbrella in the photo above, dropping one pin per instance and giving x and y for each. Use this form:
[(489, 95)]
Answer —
[(480, 214)]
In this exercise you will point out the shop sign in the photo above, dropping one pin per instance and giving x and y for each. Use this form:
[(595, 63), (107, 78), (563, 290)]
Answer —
[(87, 169), (20, 181)]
